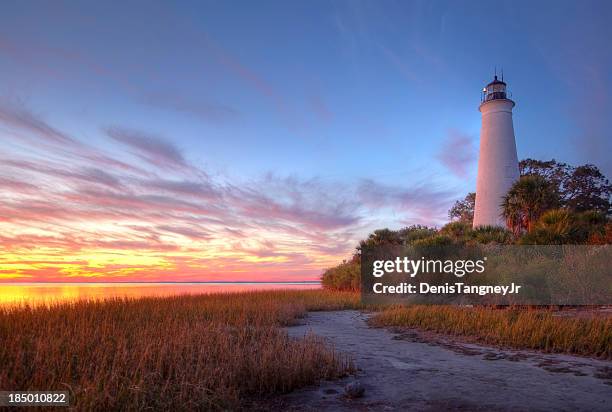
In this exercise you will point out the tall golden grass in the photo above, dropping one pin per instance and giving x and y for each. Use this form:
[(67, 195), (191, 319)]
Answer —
[(517, 328), (176, 353)]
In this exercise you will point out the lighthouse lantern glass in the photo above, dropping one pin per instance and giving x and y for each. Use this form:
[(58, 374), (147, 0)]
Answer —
[(495, 90)]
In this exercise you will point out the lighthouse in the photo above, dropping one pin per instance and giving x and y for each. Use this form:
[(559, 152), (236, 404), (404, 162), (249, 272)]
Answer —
[(497, 160)]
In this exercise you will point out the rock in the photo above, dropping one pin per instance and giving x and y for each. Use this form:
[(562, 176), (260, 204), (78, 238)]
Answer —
[(354, 390)]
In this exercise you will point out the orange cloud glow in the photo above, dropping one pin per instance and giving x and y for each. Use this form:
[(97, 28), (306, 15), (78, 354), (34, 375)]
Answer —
[(139, 210)]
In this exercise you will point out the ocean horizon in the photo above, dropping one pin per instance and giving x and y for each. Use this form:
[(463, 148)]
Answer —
[(36, 293)]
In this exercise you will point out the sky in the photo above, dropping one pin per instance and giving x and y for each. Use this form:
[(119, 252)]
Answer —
[(241, 140)]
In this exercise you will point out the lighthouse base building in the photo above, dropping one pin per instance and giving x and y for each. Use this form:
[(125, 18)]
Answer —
[(497, 160)]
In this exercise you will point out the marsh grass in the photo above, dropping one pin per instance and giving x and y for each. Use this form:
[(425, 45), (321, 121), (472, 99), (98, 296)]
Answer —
[(173, 353), (518, 328)]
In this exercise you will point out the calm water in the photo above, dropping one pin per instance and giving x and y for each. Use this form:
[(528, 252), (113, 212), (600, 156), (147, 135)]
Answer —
[(37, 293)]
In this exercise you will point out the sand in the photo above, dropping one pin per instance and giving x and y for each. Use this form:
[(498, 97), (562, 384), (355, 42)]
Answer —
[(420, 371)]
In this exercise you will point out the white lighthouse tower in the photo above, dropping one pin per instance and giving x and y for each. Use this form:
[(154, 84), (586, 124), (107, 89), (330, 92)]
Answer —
[(497, 161)]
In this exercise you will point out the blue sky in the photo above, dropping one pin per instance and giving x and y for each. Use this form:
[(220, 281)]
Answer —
[(364, 110), (311, 87)]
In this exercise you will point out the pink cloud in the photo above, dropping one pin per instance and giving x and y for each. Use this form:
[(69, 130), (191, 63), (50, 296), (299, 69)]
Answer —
[(15, 115), (421, 203), (458, 153), (64, 208), (16, 185)]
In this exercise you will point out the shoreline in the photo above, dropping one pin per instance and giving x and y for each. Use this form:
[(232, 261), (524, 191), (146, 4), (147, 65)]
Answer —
[(424, 371)]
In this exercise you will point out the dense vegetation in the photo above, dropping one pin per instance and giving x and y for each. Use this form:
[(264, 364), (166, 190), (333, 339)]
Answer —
[(345, 276), (577, 189), (175, 353), (552, 203)]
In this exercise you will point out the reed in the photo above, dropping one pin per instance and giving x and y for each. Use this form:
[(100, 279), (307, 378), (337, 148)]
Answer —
[(517, 328), (175, 353)]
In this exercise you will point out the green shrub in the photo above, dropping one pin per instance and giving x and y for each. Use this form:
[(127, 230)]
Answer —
[(555, 227), (437, 240), (491, 234), (561, 226), (405, 236), (413, 233), (457, 229)]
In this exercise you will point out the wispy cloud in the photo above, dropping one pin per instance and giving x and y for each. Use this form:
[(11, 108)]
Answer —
[(207, 111), (200, 189), (189, 232), (153, 149), (74, 175), (401, 64), (83, 214), (419, 203), (306, 202), (15, 115), (16, 185), (458, 153)]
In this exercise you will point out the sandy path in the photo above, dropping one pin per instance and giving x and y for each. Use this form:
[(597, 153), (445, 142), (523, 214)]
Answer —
[(402, 371)]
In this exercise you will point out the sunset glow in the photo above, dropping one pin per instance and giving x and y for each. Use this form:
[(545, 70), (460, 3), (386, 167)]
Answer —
[(185, 143), (81, 219)]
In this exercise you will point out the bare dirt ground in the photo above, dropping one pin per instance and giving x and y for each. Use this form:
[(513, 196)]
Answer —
[(407, 369)]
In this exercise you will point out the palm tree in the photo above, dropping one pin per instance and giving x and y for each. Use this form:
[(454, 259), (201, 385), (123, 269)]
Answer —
[(526, 201)]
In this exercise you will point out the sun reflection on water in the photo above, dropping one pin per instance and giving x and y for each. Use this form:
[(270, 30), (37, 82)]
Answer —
[(46, 293)]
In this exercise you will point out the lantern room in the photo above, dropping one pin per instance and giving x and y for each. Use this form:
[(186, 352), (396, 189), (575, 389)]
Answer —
[(494, 91)]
